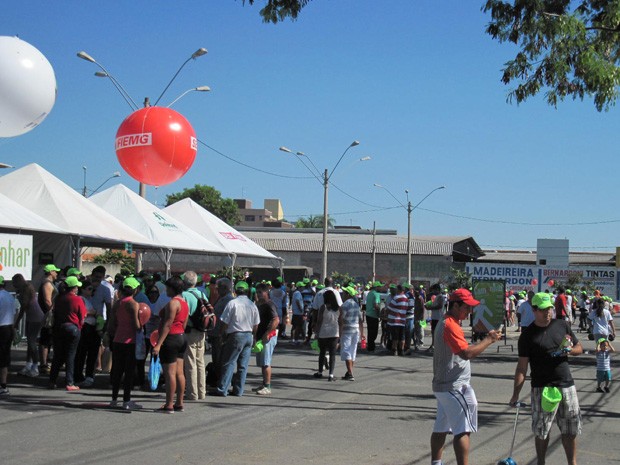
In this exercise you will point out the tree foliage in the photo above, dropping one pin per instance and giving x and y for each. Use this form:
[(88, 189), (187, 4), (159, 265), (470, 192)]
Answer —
[(278, 10), (571, 49), (314, 222), (127, 262), (211, 199), (565, 48)]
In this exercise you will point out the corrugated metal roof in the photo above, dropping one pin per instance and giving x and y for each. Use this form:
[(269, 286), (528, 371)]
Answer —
[(355, 243)]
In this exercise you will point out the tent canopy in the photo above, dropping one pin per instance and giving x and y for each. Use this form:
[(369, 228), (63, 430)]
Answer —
[(160, 227), (210, 226), (15, 216), (39, 191)]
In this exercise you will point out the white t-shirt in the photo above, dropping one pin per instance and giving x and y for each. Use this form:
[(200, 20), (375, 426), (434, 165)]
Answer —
[(600, 325), (527, 313), (319, 299), (240, 314), (8, 309)]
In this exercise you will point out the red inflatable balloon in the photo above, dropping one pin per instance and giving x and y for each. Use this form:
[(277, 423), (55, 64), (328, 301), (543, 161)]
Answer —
[(156, 145), (551, 282), (154, 337), (144, 313)]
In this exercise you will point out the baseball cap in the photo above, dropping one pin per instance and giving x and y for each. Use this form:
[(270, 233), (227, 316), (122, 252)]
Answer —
[(241, 285), (50, 267), (542, 301), (601, 340), (392, 286), (568, 291), (73, 272), (72, 281), (351, 291), (377, 284), (315, 282), (1, 280), (299, 284), (306, 280), (463, 295), (131, 282), (407, 286)]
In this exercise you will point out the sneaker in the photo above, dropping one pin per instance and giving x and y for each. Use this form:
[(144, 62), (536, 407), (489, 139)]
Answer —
[(331, 378), (45, 369), (72, 388), (33, 372), (598, 389), (131, 405), (318, 374), (113, 404), (88, 382), (265, 391), (4, 391), (25, 371), (256, 389), (606, 389), (348, 377)]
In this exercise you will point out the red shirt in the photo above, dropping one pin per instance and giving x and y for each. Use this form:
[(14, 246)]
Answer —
[(453, 335), (69, 308), (560, 306), (177, 326)]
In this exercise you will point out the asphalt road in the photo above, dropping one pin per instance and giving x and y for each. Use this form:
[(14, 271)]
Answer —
[(384, 417)]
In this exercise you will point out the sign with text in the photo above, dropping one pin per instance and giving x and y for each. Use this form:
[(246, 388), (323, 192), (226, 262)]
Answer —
[(15, 255), (491, 311)]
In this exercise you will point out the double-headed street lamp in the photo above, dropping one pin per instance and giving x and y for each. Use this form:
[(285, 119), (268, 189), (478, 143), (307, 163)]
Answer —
[(409, 209), (324, 179), (121, 90)]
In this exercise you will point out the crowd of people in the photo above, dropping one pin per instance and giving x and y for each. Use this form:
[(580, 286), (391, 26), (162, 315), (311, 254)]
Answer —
[(84, 318)]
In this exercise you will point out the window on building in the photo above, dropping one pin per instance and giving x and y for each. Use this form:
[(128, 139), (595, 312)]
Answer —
[(250, 218)]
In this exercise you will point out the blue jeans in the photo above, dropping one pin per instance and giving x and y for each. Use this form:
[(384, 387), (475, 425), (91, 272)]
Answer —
[(66, 340), (235, 353), (408, 332)]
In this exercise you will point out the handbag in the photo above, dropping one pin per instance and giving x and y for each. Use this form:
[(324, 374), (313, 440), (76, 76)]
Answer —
[(48, 322), (155, 370)]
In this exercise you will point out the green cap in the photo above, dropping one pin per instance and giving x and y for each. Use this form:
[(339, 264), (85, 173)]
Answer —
[(72, 281), (407, 286), (241, 285), (542, 301), (392, 286), (50, 267), (131, 282), (268, 283), (602, 339), (377, 284), (306, 280), (279, 279), (299, 284), (568, 291), (315, 282), (73, 272), (1, 280), (320, 286), (351, 291)]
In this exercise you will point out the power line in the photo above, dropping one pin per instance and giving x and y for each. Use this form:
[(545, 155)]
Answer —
[(250, 166)]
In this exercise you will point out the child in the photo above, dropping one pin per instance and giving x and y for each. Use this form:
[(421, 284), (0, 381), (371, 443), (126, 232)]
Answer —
[(603, 364)]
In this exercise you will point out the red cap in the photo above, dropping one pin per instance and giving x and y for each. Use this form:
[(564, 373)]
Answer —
[(463, 295)]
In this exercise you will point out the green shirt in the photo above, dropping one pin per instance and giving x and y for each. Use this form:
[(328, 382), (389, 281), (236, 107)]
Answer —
[(373, 298)]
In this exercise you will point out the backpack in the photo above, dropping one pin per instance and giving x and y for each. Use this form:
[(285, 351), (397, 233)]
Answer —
[(203, 319)]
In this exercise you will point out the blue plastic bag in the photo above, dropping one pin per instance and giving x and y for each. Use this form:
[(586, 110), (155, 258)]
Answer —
[(155, 370)]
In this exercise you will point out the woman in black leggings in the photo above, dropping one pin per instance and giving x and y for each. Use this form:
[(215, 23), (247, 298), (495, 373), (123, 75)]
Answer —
[(327, 331)]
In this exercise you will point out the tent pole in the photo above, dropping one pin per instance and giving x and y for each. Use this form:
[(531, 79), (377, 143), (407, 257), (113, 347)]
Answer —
[(232, 268)]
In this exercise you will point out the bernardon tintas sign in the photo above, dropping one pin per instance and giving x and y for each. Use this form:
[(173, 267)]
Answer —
[(15, 255)]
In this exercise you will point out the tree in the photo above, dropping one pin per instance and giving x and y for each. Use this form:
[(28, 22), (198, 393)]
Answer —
[(566, 48), (211, 199), (572, 49), (314, 222), (278, 10), (127, 262)]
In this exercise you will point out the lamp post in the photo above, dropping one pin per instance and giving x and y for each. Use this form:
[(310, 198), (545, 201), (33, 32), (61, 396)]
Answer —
[(121, 90), (409, 209), (324, 179), (116, 174)]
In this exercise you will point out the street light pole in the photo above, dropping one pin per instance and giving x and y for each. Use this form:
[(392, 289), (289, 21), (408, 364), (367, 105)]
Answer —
[(84, 186), (324, 249)]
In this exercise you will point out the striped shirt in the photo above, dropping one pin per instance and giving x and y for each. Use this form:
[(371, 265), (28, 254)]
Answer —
[(397, 310), (603, 360), (350, 316)]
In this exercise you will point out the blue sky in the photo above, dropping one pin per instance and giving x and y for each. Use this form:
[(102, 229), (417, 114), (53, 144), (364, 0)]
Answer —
[(416, 82)]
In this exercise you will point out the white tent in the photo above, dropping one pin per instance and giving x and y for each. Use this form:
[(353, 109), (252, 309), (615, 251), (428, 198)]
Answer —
[(210, 226), (42, 193), (160, 227), (15, 216)]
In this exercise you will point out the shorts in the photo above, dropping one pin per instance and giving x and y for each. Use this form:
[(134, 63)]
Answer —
[(457, 411), (603, 375), (348, 346), (567, 415), (173, 348), (298, 321), (397, 333), (6, 339), (263, 358)]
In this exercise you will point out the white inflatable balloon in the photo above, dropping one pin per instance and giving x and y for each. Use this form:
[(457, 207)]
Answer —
[(27, 87)]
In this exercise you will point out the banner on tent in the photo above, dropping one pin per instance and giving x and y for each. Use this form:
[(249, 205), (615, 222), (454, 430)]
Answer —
[(15, 255)]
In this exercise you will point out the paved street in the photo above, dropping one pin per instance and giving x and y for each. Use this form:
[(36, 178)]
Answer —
[(384, 417)]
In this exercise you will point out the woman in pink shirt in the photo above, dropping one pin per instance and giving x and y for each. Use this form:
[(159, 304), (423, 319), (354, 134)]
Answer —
[(171, 344), (122, 325)]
